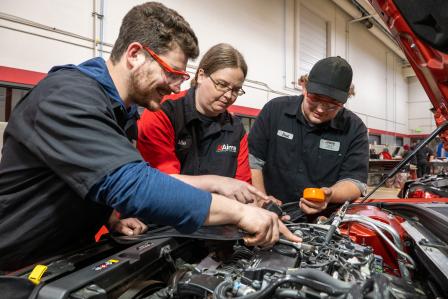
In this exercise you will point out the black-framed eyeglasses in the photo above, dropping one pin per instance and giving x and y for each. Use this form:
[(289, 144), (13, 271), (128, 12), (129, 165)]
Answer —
[(222, 87)]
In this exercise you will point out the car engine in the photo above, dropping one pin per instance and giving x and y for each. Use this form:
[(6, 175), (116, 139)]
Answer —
[(311, 269), (349, 255)]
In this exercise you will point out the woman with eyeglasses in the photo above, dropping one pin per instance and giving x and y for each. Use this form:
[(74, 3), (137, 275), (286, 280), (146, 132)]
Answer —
[(194, 134)]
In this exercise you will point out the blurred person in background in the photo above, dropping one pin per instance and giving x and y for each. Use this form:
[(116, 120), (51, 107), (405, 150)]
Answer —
[(424, 156)]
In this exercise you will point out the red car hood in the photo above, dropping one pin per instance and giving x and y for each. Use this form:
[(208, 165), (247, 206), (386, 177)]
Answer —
[(421, 30)]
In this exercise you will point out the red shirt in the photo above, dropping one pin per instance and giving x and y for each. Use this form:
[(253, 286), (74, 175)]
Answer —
[(177, 140), (386, 156)]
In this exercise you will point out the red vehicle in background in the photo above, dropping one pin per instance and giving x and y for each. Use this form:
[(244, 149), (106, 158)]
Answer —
[(417, 221)]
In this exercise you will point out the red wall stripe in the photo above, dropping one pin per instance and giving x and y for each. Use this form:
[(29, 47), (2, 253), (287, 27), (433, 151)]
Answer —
[(244, 110), (26, 77), (19, 76), (382, 132), (241, 110)]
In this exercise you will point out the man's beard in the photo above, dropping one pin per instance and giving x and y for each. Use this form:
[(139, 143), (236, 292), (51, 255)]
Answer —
[(145, 97)]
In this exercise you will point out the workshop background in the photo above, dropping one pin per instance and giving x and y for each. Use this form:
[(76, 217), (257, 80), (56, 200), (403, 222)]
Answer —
[(280, 39)]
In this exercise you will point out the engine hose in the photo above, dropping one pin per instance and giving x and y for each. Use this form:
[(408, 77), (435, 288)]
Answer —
[(382, 225), (330, 234), (289, 294), (331, 285), (313, 278), (222, 288), (384, 237)]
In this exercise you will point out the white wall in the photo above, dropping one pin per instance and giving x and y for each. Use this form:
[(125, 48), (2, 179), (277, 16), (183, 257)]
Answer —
[(381, 89), (421, 119), (260, 29), (38, 49)]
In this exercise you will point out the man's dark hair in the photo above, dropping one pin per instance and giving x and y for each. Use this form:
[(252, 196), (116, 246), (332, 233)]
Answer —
[(158, 27)]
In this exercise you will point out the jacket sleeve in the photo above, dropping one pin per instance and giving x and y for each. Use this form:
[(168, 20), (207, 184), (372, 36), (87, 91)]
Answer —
[(156, 141), (259, 133), (243, 169), (135, 189)]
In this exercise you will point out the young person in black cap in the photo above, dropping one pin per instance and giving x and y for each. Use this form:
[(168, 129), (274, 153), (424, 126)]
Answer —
[(311, 141)]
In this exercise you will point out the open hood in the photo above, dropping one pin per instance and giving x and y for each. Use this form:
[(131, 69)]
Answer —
[(421, 30)]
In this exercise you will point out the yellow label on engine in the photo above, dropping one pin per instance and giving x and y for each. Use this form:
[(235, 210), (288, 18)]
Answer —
[(37, 273)]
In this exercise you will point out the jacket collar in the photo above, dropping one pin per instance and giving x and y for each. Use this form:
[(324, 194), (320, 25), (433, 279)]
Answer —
[(96, 69), (225, 120)]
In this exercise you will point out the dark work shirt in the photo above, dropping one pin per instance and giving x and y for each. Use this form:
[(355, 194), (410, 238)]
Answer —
[(66, 160), (299, 156), (51, 158), (423, 155), (178, 139)]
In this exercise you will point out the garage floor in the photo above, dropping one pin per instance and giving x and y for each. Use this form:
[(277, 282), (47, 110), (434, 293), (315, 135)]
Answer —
[(384, 192)]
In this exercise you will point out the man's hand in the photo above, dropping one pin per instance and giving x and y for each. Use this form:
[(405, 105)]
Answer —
[(129, 226), (263, 227), (261, 202), (228, 187), (313, 207), (238, 190)]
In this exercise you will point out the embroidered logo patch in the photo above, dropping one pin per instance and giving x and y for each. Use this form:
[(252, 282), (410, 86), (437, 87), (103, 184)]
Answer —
[(184, 141), (285, 134), (225, 148)]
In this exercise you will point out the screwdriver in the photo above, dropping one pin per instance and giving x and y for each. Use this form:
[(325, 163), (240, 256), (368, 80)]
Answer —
[(299, 246)]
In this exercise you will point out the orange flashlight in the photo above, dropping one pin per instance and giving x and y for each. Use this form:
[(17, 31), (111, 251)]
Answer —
[(314, 194)]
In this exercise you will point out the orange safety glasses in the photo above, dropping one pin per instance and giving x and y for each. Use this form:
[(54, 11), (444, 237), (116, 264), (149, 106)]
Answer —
[(326, 105), (173, 75)]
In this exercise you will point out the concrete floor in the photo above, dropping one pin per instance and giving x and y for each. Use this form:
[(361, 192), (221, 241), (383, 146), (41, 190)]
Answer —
[(384, 192)]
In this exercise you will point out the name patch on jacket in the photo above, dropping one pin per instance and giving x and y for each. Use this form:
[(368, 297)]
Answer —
[(225, 148), (330, 145), (285, 134), (184, 142)]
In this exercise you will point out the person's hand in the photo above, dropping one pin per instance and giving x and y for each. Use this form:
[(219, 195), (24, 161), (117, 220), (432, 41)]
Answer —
[(314, 207), (263, 227), (239, 190), (129, 226), (261, 202)]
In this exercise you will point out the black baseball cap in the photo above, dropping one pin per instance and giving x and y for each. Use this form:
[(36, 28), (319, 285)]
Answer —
[(331, 77)]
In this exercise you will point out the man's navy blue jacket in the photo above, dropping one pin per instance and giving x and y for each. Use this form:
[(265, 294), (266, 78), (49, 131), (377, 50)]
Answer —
[(67, 161)]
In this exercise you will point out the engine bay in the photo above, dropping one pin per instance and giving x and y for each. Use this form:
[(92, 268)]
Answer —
[(310, 269), (367, 256)]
